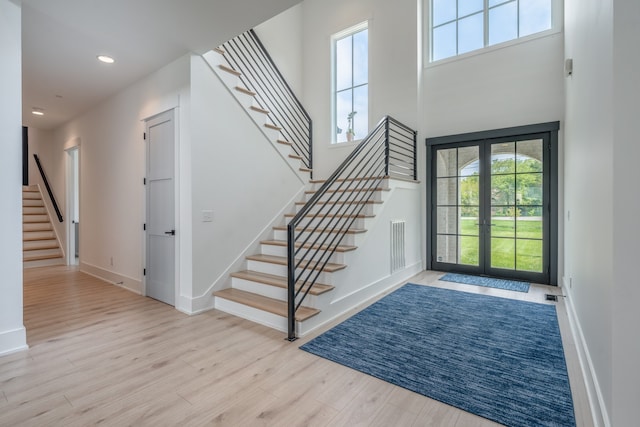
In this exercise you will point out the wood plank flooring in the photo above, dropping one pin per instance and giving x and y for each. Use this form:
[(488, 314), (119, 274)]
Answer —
[(102, 355)]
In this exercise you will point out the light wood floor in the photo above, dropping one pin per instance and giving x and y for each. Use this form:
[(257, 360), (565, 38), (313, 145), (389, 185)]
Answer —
[(102, 355)]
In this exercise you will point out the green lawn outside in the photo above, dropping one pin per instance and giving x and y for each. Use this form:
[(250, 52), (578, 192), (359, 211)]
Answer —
[(506, 239)]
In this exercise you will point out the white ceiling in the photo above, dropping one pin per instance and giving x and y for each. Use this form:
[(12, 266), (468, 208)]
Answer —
[(61, 39)]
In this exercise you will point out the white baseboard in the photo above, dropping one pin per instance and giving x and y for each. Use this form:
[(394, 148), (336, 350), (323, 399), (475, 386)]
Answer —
[(125, 282), (594, 393), (197, 305), (13, 341)]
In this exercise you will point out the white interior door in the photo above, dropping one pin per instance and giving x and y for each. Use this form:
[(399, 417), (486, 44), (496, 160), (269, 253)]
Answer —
[(160, 226)]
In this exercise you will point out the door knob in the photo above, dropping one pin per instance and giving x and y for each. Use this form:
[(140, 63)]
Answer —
[(170, 233)]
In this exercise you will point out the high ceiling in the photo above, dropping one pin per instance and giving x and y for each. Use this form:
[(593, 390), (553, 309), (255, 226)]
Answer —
[(62, 38)]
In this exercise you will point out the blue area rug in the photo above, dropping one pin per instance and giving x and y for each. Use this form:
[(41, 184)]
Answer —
[(497, 358), (488, 282)]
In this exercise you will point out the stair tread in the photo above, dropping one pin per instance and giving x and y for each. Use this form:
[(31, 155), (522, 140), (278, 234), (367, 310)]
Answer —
[(278, 281), (245, 91), (305, 169), (311, 215), (341, 248), (331, 202), (322, 181), (272, 126), (295, 156), (38, 245), (266, 304), (26, 257), (37, 226), (35, 219), (30, 236), (31, 195), (280, 260), (220, 50), (349, 190), (283, 142), (229, 70), (260, 109), (35, 210), (299, 229)]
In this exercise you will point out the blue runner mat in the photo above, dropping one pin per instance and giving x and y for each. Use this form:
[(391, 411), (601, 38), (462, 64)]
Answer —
[(509, 285), (494, 357)]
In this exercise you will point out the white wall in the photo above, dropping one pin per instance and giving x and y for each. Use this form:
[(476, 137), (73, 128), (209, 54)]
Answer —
[(236, 173), (626, 206), (112, 167), (520, 84), (282, 37), (12, 332), (589, 182), (392, 66)]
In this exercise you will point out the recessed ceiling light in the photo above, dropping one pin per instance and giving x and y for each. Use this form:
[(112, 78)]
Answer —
[(37, 111), (106, 59)]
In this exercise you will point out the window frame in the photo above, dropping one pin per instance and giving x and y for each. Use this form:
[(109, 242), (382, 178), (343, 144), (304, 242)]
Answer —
[(557, 21), (365, 25)]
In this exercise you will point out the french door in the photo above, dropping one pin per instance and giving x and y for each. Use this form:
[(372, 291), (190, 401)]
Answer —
[(491, 210)]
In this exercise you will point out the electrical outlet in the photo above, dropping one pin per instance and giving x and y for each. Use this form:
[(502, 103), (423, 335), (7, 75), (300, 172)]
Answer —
[(111, 261), (207, 216), (570, 282)]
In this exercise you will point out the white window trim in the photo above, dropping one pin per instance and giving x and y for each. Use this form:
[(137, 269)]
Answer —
[(337, 36), (557, 21)]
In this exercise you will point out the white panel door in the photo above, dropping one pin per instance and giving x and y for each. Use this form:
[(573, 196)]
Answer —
[(160, 226)]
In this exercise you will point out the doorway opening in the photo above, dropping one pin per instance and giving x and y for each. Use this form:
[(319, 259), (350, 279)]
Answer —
[(73, 206), (493, 202)]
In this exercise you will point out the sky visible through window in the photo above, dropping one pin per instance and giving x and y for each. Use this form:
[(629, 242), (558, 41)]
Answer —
[(458, 26), (351, 86)]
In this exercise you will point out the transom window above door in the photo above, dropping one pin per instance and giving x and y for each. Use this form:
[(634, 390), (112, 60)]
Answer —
[(350, 110), (461, 26)]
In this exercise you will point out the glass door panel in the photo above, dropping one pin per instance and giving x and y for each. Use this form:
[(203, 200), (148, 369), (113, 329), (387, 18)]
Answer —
[(458, 206), (516, 200)]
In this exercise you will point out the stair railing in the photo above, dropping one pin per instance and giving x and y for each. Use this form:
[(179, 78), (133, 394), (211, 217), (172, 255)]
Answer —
[(48, 187), (247, 54), (388, 151)]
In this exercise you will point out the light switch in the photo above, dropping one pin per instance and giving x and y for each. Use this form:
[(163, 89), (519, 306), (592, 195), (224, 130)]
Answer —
[(207, 216)]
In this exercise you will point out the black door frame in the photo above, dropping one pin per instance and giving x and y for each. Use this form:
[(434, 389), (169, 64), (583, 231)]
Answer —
[(550, 131)]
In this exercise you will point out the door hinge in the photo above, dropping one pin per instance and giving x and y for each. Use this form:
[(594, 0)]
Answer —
[(144, 227), (144, 271), (144, 136), (144, 181)]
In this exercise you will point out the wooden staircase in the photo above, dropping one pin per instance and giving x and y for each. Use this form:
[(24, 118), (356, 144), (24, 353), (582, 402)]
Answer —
[(259, 292), (40, 246)]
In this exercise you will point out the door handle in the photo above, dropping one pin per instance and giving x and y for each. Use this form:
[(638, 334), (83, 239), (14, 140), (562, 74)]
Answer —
[(170, 233)]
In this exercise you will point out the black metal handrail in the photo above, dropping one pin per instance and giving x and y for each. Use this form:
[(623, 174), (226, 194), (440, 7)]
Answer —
[(259, 73), (48, 187), (316, 231)]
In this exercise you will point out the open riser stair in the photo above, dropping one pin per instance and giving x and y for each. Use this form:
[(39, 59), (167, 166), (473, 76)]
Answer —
[(40, 244)]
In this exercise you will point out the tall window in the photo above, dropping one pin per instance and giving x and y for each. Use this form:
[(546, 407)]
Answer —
[(460, 26), (351, 84)]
